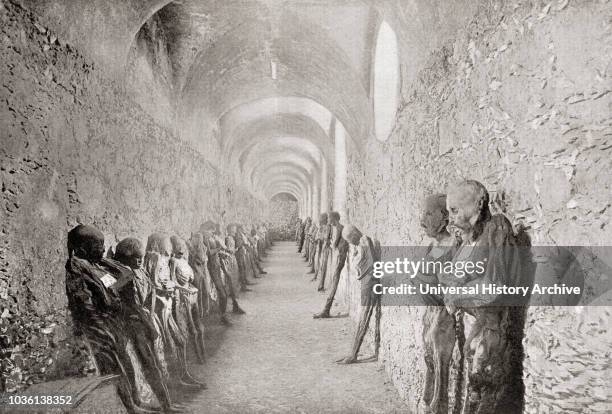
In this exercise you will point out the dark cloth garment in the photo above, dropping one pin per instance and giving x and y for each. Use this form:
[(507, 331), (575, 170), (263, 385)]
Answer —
[(91, 303), (95, 308), (494, 350), (143, 326), (507, 263), (135, 315), (95, 304)]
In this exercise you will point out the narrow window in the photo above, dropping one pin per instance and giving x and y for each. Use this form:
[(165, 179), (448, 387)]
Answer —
[(386, 79)]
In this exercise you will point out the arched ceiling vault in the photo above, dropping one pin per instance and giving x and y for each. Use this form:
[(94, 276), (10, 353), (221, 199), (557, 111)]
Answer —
[(307, 62), (293, 175), (279, 125), (303, 122), (285, 189), (222, 51), (297, 186), (282, 170), (259, 148), (288, 188), (262, 108), (270, 74), (276, 157)]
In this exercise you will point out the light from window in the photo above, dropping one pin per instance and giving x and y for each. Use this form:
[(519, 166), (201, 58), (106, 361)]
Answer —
[(386, 76)]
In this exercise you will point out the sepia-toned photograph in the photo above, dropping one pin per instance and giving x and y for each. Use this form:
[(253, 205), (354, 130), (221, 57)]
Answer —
[(306, 206)]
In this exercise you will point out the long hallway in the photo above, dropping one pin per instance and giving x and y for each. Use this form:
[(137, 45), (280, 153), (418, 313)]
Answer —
[(277, 359)]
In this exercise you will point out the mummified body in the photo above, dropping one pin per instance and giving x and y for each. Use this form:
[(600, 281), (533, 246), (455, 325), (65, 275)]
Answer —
[(255, 247), (297, 234), (319, 240), (363, 252), (312, 246), (219, 261), (130, 254), (214, 267), (231, 265), (493, 349), (198, 260), (186, 308), (245, 266), (439, 326), (304, 245), (338, 250), (324, 241), (101, 297), (157, 266), (228, 265)]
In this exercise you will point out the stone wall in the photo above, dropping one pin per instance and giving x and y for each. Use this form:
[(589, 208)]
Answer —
[(149, 74), (517, 95), (74, 149)]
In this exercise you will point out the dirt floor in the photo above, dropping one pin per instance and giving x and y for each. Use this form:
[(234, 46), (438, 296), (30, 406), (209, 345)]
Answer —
[(277, 359)]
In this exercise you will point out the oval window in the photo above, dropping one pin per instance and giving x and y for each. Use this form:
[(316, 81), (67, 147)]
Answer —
[(386, 77)]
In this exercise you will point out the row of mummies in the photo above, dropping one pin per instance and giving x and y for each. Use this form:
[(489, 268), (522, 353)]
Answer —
[(139, 309), (461, 226)]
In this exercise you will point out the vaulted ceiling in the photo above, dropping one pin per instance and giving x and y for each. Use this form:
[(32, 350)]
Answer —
[(256, 84)]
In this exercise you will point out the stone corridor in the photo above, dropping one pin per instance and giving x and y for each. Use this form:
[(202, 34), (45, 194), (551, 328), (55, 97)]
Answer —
[(277, 359), (155, 117)]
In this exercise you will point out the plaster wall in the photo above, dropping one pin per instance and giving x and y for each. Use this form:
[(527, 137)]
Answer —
[(517, 95), (76, 149)]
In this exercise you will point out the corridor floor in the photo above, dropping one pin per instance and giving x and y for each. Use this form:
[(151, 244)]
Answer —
[(277, 359)]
